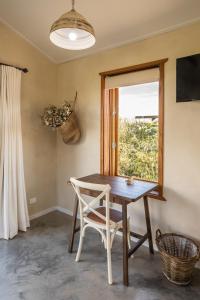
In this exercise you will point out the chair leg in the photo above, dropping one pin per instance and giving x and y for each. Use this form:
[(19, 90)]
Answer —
[(129, 241), (103, 242), (80, 245), (108, 248), (129, 236)]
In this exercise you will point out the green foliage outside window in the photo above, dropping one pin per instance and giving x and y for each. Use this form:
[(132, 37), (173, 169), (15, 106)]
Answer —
[(138, 149)]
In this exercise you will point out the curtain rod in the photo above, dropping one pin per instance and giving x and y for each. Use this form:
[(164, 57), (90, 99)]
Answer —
[(25, 70)]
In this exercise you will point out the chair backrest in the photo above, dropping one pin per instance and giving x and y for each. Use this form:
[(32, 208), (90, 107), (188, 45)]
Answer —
[(89, 206)]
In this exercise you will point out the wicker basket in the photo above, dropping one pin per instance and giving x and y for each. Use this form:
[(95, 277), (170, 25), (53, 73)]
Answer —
[(179, 255), (70, 130)]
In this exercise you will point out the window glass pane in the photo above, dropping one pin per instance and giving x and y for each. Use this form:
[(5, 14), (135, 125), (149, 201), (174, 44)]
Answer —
[(138, 131)]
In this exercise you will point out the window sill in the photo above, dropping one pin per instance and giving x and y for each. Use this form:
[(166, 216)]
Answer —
[(156, 195)]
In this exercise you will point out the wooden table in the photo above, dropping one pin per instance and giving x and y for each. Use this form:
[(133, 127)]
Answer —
[(122, 194)]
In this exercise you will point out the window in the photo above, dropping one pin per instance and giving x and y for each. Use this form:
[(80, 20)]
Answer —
[(138, 120), (132, 110)]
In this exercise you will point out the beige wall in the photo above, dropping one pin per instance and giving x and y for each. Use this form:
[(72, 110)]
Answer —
[(181, 212), (38, 90), (46, 83)]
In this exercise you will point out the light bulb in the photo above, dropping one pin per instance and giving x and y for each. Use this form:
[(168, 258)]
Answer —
[(72, 36)]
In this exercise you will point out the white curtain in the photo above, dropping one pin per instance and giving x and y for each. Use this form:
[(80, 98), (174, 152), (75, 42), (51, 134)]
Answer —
[(13, 204)]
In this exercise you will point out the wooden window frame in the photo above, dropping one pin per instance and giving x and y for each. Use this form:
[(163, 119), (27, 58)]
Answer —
[(105, 120)]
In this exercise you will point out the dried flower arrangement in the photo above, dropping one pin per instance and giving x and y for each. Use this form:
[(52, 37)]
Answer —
[(63, 118), (55, 117)]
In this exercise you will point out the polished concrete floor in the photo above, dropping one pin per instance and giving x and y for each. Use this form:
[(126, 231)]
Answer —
[(36, 266)]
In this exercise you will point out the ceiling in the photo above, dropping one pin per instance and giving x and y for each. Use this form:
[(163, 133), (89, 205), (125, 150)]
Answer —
[(116, 22)]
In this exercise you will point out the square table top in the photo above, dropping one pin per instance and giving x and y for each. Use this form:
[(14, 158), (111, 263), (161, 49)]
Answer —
[(120, 189)]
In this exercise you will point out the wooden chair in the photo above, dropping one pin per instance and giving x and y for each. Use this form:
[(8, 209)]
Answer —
[(107, 221)]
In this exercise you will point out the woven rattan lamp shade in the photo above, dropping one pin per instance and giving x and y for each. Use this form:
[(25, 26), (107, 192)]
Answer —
[(72, 31)]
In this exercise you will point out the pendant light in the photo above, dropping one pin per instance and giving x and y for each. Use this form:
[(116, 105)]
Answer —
[(72, 31)]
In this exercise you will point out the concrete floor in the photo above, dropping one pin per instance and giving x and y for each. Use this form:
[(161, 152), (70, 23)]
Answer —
[(36, 266)]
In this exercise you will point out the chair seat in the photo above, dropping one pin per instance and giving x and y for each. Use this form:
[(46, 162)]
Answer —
[(115, 215)]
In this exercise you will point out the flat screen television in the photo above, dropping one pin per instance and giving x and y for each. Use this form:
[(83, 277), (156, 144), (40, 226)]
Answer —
[(188, 78)]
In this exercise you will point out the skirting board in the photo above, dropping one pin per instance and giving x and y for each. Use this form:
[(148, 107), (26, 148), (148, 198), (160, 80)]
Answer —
[(64, 210), (42, 213), (69, 213), (49, 210)]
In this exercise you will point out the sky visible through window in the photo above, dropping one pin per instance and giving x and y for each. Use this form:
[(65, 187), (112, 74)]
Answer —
[(138, 100)]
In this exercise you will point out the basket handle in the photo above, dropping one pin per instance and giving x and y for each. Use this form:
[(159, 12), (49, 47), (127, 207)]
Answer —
[(158, 234)]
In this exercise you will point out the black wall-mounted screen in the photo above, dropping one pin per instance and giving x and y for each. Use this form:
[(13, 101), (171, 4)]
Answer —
[(188, 78)]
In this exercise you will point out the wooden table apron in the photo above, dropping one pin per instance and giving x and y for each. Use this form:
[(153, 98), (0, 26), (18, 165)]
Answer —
[(122, 194)]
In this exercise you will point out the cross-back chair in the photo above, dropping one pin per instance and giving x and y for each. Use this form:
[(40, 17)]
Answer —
[(107, 221)]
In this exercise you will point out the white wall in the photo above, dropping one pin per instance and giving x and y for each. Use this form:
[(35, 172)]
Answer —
[(181, 212)]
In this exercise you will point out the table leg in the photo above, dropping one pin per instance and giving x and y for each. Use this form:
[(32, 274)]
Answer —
[(148, 224), (125, 244), (71, 240)]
